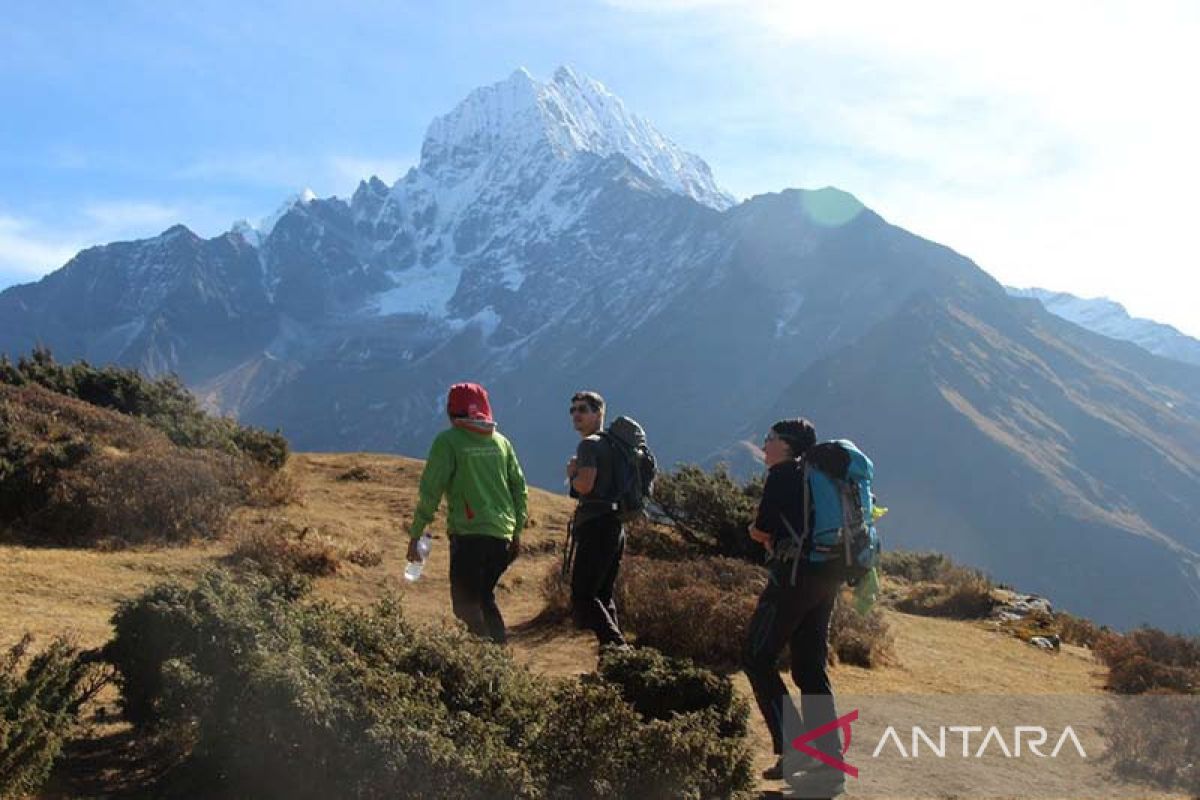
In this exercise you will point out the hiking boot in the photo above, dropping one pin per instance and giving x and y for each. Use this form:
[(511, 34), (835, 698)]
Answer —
[(819, 782), (775, 771)]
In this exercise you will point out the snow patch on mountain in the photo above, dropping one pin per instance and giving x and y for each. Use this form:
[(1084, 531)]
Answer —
[(784, 323), (1109, 318), (420, 290), (256, 234)]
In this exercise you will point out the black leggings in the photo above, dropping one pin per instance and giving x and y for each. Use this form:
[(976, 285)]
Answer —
[(599, 544), (476, 564), (796, 617)]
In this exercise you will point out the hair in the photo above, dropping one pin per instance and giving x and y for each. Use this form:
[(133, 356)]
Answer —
[(798, 433), (593, 399)]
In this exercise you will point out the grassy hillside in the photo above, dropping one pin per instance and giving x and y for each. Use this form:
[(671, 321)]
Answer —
[(348, 503)]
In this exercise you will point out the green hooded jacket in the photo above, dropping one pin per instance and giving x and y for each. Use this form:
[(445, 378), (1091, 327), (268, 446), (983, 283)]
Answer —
[(482, 481)]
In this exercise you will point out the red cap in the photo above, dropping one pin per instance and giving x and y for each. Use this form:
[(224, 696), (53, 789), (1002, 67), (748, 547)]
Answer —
[(469, 401)]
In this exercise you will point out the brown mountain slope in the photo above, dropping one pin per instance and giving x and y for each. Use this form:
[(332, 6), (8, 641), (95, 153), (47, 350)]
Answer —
[(1060, 461)]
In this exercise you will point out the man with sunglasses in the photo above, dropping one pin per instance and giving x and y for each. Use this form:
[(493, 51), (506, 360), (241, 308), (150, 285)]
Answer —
[(596, 531), (793, 611)]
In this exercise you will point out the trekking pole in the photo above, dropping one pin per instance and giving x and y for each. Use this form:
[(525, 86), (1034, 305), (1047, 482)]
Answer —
[(569, 550)]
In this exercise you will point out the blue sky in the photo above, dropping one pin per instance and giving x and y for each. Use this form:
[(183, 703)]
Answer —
[(1052, 143)]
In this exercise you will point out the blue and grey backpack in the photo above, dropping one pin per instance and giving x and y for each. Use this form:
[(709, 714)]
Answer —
[(840, 510)]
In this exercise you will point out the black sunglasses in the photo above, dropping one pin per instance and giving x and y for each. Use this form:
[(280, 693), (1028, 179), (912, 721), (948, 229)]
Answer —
[(584, 409)]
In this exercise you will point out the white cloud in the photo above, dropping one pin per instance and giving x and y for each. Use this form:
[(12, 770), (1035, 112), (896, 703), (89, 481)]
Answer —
[(122, 215), (28, 253), (1054, 143), (256, 169)]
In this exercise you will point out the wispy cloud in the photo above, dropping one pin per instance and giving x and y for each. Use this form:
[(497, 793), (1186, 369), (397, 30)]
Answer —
[(32, 247), (121, 215), (29, 253), (255, 169), (1052, 142)]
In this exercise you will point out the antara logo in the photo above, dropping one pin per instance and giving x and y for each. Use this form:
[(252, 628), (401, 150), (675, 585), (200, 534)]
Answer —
[(1029, 738), (801, 743), (1034, 737)]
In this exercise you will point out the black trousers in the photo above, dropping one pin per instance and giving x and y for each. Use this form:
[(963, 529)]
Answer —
[(599, 544), (476, 564), (797, 617)]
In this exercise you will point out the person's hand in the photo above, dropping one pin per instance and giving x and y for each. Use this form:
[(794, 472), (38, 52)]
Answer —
[(413, 554), (514, 549), (572, 468), (762, 537)]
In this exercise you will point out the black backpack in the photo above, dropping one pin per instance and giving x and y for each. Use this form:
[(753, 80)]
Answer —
[(634, 468)]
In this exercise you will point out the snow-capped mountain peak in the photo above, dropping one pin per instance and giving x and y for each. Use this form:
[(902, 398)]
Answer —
[(257, 234), (1108, 317), (569, 114)]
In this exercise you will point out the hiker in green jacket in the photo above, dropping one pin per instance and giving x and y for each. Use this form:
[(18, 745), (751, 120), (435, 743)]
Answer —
[(476, 468)]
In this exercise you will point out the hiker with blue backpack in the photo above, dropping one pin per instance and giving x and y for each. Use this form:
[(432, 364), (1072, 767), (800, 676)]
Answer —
[(815, 522), (611, 475)]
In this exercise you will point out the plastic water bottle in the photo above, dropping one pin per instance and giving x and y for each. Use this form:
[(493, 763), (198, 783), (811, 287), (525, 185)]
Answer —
[(413, 570)]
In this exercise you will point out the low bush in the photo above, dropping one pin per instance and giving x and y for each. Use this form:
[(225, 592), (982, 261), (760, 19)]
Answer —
[(282, 696), (1079, 631), (646, 538), (661, 687), (1150, 660), (40, 700), (277, 554), (697, 609), (72, 473), (914, 567), (158, 494), (365, 556), (961, 593), (1156, 739), (1069, 628), (164, 403), (358, 474), (863, 640), (710, 509)]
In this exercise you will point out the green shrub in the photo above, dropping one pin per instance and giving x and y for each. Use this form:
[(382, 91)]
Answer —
[(40, 700), (661, 687), (165, 403), (280, 696), (711, 509)]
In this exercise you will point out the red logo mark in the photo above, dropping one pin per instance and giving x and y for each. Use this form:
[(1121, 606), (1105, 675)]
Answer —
[(801, 743)]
